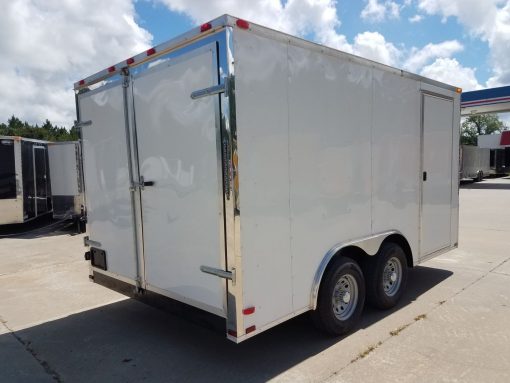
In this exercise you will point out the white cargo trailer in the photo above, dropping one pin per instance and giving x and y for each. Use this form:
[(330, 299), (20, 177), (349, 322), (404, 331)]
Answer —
[(474, 162), (257, 176), (67, 182), (25, 190)]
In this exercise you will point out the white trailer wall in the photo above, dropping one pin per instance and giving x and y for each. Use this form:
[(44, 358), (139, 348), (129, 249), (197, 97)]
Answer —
[(329, 150)]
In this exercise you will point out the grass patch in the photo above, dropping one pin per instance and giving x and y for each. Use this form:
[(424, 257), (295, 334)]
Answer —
[(365, 352)]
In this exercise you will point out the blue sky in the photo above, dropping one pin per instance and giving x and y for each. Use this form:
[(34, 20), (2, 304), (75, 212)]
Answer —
[(164, 24)]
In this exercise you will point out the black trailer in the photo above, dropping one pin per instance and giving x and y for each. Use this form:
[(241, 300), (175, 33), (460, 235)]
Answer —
[(25, 190)]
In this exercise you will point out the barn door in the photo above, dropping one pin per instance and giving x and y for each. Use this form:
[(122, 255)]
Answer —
[(180, 169)]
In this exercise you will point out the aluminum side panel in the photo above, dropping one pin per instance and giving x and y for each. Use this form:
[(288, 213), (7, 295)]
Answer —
[(396, 156), (177, 147), (330, 101), (262, 139), (64, 169), (106, 173)]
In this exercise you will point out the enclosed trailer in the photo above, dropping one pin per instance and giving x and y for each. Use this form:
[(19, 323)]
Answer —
[(67, 181), (257, 176), (25, 191), (474, 162)]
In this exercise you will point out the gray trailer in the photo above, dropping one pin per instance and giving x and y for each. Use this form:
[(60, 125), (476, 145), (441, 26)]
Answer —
[(67, 182), (474, 162), (25, 190)]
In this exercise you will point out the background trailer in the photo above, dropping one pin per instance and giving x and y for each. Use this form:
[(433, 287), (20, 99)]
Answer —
[(474, 162), (25, 190), (257, 176), (67, 181)]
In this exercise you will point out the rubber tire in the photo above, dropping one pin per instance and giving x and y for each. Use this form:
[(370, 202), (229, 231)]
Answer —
[(82, 226), (323, 315), (374, 267), (479, 176)]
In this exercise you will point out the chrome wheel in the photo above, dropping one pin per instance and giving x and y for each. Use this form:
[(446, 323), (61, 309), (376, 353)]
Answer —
[(345, 297), (392, 276)]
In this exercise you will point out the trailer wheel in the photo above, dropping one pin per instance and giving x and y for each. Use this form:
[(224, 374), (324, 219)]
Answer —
[(479, 176), (386, 276), (341, 297)]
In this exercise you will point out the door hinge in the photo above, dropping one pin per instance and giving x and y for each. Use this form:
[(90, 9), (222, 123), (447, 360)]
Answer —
[(220, 273), (89, 242), (81, 124)]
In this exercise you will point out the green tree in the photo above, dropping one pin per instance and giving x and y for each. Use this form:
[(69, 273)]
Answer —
[(47, 131), (475, 125)]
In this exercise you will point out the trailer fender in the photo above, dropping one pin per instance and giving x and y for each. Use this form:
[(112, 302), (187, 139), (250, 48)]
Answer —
[(369, 245)]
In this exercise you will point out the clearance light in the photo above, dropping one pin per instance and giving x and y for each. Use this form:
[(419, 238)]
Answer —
[(205, 27), (111, 69), (250, 329), (243, 24), (232, 333), (249, 310), (81, 82), (151, 51), (458, 90), (130, 61)]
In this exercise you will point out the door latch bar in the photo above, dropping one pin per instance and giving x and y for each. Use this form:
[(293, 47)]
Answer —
[(216, 89), (219, 273)]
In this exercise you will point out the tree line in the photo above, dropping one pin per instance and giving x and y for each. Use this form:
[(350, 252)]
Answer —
[(475, 125), (471, 127), (46, 132)]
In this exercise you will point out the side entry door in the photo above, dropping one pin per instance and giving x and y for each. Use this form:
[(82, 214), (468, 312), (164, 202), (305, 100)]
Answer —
[(437, 136), (180, 162), (40, 179)]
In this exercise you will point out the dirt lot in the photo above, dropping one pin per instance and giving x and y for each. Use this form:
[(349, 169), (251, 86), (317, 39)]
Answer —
[(453, 324)]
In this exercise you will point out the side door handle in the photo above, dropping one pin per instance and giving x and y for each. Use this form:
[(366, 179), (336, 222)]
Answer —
[(424, 176), (148, 183)]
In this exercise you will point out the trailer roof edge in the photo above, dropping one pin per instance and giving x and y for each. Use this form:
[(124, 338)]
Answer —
[(231, 21)]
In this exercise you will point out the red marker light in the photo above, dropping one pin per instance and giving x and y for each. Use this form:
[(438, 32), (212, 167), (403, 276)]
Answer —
[(249, 310), (243, 24), (232, 333), (81, 82), (205, 27), (130, 61), (151, 51), (111, 69), (250, 329)]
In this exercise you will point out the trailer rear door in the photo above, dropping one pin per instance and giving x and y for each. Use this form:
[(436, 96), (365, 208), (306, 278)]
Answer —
[(106, 170), (179, 160)]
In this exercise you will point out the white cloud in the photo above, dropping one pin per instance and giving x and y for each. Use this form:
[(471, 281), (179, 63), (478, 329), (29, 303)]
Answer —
[(488, 20), (376, 11), (450, 71), (416, 18), (47, 45), (419, 57), (301, 17), (372, 45)]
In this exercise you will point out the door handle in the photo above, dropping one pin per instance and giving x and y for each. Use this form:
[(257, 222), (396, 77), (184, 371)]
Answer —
[(148, 183), (424, 176)]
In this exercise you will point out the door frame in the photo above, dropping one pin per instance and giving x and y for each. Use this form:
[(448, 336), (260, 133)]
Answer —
[(424, 93), (36, 196)]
